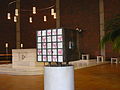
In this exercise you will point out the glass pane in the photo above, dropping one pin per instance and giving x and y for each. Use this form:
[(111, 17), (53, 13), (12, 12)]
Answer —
[(48, 32), (60, 58), (59, 31), (60, 51), (54, 51), (54, 38), (49, 39), (44, 52), (39, 33), (60, 45), (39, 45), (44, 58), (39, 58), (43, 39), (54, 32), (60, 38), (50, 58), (44, 45), (49, 52), (39, 39), (48, 45), (39, 52), (54, 45), (54, 58), (44, 33)]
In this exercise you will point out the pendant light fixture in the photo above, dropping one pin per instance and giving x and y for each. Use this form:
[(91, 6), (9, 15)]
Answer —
[(52, 11), (34, 10), (15, 19), (45, 18), (16, 12), (8, 16), (30, 19)]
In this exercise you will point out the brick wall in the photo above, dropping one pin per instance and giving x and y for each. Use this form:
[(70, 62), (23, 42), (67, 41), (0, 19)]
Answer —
[(83, 14)]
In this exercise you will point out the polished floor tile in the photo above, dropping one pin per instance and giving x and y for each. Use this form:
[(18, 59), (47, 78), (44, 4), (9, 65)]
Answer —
[(101, 77)]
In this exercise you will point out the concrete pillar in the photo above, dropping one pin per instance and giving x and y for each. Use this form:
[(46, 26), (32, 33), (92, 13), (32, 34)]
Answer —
[(102, 32), (57, 13), (18, 25), (78, 43)]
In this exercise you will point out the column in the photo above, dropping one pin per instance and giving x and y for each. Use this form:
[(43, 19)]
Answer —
[(57, 13), (102, 32), (18, 25)]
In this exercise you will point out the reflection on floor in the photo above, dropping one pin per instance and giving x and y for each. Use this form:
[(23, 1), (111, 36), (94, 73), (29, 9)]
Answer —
[(100, 77), (38, 70)]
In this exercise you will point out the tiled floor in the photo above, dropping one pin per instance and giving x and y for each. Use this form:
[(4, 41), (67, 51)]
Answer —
[(101, 77)]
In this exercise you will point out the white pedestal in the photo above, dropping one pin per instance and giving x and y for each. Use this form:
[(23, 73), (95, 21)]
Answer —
[(114, 59), (100, 58), (58, 78), (23, 58), (85, 57)]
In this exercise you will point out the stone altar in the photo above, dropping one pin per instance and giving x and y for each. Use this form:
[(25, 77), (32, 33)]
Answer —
[(24, 58)]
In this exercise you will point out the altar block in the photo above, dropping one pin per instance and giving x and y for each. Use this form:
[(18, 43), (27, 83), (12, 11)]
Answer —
[(23, 57)]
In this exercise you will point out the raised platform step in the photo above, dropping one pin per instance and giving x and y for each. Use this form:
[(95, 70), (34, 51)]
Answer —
[(38, 70)]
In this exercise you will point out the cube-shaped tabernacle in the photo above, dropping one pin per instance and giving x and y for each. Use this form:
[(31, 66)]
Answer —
[(57, 45)]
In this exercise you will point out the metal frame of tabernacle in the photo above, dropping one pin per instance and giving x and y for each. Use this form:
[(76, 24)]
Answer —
[(56, 45)]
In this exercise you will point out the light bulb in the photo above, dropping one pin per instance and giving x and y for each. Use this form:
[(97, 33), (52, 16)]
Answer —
[(15, 19), (54, 15), (34, 10), (52, 11), (30, 19), (21, 45), (45, 18), (16, 12), (8, 16), (6, 45)]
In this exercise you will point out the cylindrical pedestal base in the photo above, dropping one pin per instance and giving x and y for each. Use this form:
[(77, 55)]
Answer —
[(59, 78)]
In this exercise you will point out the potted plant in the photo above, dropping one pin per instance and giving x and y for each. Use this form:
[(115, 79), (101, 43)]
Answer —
[(112, 28)]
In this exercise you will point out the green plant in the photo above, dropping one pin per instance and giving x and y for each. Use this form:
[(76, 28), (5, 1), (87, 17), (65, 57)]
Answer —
[(112, 28)]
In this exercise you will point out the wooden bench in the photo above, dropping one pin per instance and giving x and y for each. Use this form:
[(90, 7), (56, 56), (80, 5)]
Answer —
[(5, 58), (5, 54)]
